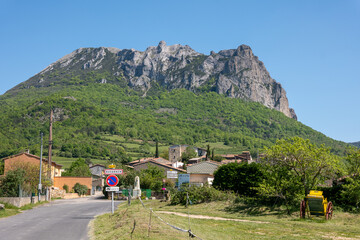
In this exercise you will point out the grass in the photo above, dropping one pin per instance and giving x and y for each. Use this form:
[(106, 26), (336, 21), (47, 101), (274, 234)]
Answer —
[(275, 224), (11, 210), (66, 162)]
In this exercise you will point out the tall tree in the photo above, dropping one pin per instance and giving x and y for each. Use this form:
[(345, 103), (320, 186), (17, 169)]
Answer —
[(351, 189), (208, 152), (308, 163), (157, 149), (188, 154)]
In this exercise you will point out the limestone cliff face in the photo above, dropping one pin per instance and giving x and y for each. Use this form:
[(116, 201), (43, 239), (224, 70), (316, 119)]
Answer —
[(237, 73)]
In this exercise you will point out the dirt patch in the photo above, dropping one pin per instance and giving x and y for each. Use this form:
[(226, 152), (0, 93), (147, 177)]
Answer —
[(208, 217)]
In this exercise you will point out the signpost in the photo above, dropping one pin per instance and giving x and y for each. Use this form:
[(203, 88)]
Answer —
[(113, 171), (112, 189), (172, 174), (183, 178), (112, 166), (112, 181)]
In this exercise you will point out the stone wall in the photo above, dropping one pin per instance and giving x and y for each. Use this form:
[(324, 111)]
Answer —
[(21, 201), (57, 193)]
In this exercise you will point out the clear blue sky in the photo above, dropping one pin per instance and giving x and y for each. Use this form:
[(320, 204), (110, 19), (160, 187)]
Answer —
[(311, 47)]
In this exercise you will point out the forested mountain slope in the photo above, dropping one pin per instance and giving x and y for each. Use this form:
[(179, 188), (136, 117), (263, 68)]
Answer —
[(84, 112)]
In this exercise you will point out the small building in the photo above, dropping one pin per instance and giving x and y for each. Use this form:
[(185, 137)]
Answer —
[(25, 157), (98, 182), (176, 151), (245, 156), (202, 172), (196, 160), (159, 160), (155, 162)]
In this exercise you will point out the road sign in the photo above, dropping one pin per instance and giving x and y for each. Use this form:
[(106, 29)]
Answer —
[(113, 171), (111, 166), (172, 174), (112, 189), (183, 178), (112, 180)]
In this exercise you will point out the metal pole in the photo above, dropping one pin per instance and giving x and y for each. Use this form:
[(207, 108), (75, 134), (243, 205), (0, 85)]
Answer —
[(50, 150), (112, 202), (41, 153), (149, 227)]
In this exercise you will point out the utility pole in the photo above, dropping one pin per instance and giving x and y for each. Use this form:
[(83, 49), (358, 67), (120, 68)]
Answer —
[(41, 153), (50, 148)]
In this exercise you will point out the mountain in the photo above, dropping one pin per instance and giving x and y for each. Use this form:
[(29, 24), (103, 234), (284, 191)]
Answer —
[(356, 144), (112, 105), (236, 73)]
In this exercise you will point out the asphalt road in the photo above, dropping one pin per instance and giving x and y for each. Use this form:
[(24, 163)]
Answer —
[(58, 220)]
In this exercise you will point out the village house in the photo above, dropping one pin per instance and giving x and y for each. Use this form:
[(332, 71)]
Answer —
[(202, 172), (57, 180), (98, 182), (158, 162), (245, 156), (13, 161)]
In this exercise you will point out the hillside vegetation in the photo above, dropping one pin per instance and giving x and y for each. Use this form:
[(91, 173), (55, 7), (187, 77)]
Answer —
[(102, 121)]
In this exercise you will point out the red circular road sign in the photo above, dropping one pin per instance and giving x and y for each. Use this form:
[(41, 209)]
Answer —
[(112, 180)]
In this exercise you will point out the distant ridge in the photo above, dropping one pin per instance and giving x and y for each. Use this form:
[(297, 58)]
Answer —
[(356, 144)]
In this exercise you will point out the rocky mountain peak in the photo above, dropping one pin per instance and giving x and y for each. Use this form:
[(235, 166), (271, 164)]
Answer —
[(236, 73)]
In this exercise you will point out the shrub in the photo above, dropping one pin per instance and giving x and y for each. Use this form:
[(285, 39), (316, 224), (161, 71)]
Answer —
[(200, 195), (66, 188), (242, 178), (80, 189)]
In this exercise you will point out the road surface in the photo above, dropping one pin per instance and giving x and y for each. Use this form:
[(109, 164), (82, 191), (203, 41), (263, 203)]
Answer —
[(58, 220)]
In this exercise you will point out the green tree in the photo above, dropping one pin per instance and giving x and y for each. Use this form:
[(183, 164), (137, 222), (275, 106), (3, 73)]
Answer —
[(151, 178), (9, 186), (157, 149), (1, 167), (242, 178), (78, 168), (24, 174), (281, 182), (353, 160), (165, 154), (350, 192), (188, 154), (309, 164), (208, 152)]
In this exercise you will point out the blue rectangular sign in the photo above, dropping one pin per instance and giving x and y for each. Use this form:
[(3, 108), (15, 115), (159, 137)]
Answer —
[(183, 178)]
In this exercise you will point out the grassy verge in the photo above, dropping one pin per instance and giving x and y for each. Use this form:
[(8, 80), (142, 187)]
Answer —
[(11, 210), (271, 224)]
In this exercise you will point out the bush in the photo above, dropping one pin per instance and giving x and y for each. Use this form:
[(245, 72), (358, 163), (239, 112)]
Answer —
[(80, 189), (66, 188), (200, 195), (9, 186), (241, 178)]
